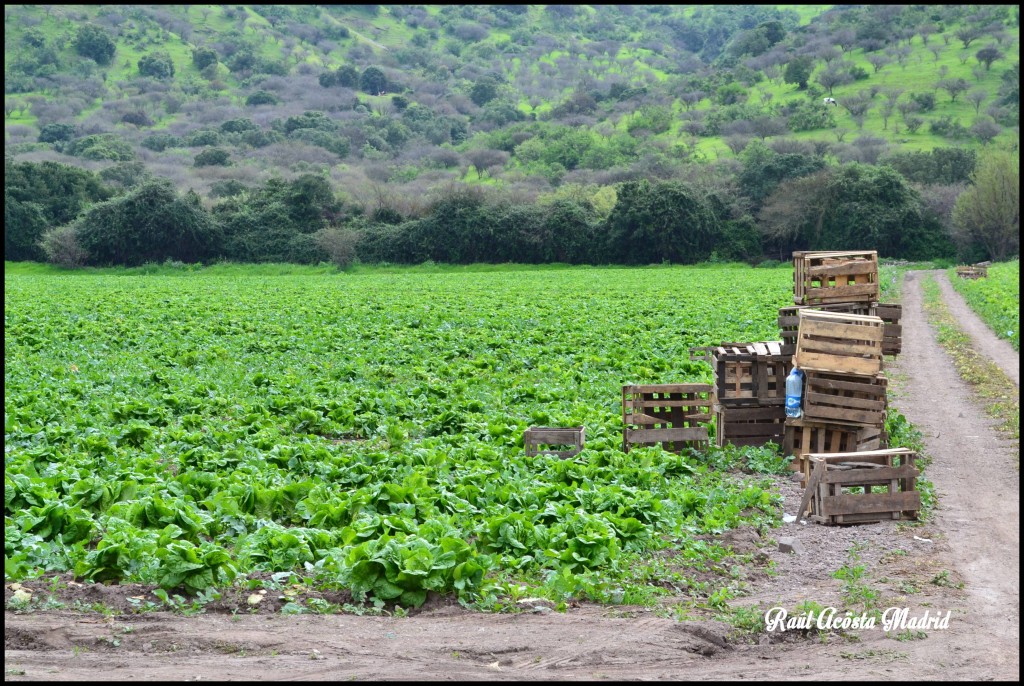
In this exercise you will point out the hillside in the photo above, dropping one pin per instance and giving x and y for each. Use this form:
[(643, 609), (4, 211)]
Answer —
[(390, 104)]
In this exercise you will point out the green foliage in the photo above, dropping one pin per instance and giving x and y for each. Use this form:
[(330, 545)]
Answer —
[(262, 97), (157, 65), (158, 142), (56, 133), (996, 299), (373, 81), (41, 195), (940, 165), (213, 157), (203, 57), (798, 71), (101, 146), (94, 42), (988, 212), (652, 222), (254, 427), (148, 224)]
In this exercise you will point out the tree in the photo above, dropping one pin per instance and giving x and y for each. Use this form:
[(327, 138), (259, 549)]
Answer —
[(56, 133), (988, 55), (212, 157), (798, 71), (988, 212), (483, 91), (878, 61), (347, 76), (967, 34), (976, 96), (157, 65), (203, 57), (93, 42), (954, 87), (373, 81), (832, 77), (653, 222), (985, 129), (151, 223)]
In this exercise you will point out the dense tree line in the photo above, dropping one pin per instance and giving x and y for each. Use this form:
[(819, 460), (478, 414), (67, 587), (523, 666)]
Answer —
[(786, 202)]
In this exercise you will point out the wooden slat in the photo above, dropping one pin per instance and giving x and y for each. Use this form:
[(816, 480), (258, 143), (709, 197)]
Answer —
[(670, 388), (838, 363), (871, 503), (697, 433), (846, 268), (872, 477)]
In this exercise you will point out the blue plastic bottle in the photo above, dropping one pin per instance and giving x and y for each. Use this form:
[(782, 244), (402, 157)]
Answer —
[(794, 393)]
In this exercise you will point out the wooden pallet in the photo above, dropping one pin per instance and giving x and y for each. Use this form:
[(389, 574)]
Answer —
[(841, 343), (742, 426), (892, 331), (835, 277), (804, 437), (862, 487), (672, 415), (844, 399), (789, 318), (536, 437), (750, 374), (973, 271)]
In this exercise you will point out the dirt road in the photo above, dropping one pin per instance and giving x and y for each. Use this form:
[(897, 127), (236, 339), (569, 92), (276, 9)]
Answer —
[(973, 540)]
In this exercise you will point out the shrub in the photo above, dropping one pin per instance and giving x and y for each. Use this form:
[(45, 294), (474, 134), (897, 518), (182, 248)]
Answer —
[(56, 133), (213, 157), (339, 244), (62, 247), (159, 142), (93, 42), (262, 97), (157, 65)]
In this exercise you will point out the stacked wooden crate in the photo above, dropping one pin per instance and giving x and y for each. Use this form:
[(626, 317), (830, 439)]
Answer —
[(839, 334), (750, 392)]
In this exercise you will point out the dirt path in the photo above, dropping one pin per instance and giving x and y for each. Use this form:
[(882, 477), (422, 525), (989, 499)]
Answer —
[(973, 472), (998, 350), (974, 538)]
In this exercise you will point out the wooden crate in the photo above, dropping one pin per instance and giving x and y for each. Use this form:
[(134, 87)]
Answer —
[(892, 331), (835, 277), (844, 399), (789, 318), (835, 342), (672, 415), (750, 374), (804, 437), (755, 426), (537, 436), (972, 272), (862, 487)]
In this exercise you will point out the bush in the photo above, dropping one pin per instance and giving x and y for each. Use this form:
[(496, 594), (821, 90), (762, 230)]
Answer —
[(102, 146), (339, 244), (262, 97), (56, 133), (159, 142), (212, 157), (93, 42), (157, 65), (62, 247)]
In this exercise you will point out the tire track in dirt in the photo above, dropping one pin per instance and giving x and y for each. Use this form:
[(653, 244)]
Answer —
[(976, 481)]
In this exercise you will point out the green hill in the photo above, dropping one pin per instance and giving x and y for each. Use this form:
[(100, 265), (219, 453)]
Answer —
[(391, 103)]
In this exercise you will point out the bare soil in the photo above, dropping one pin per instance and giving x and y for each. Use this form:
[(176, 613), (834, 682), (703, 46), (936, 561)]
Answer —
[(964, 560)]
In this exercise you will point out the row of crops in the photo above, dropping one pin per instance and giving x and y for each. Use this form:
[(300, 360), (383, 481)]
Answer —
[(996, 299), (365, 430)]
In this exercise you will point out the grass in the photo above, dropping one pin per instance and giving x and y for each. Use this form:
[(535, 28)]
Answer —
[(999, 396)]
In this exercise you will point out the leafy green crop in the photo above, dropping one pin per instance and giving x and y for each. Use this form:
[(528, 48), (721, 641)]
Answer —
[(366, 428), (996, 299)]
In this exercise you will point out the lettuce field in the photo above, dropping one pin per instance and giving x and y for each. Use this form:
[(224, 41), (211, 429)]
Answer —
[(996, 298), (364, 431)]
